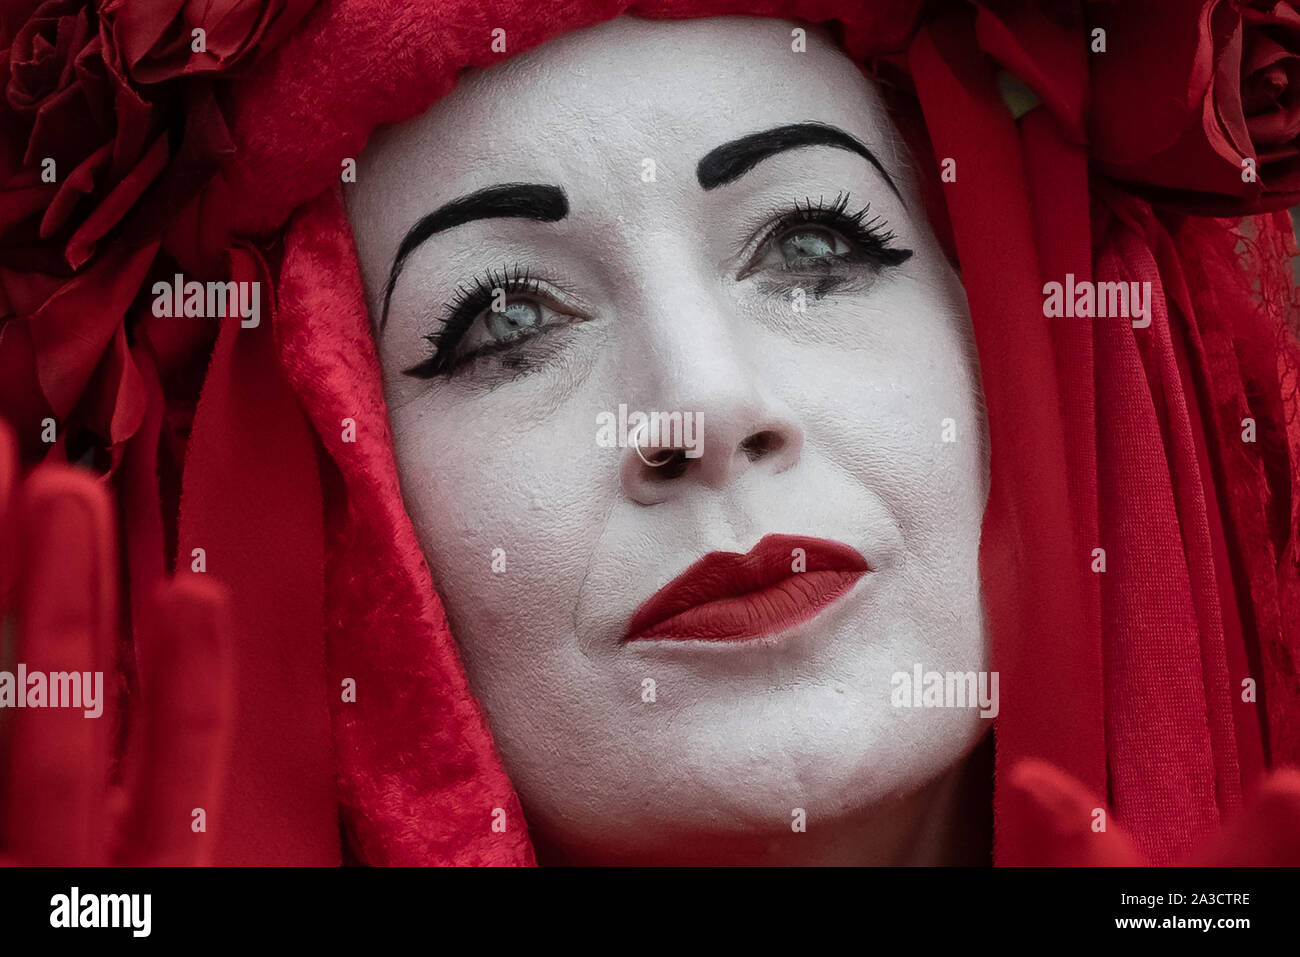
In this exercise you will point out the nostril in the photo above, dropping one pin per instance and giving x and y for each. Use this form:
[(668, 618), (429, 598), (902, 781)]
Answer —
[(760, 444), (667, 463)]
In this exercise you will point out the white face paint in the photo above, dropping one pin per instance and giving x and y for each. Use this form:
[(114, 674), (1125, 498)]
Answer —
[(820, 372)]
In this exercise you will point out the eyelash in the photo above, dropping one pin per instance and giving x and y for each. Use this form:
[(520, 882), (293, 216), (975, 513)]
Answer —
[(871, 239)]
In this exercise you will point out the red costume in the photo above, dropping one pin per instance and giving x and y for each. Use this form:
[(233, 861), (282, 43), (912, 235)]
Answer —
[(1129, 688)]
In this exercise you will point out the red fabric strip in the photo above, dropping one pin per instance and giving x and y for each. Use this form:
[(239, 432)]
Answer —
[(1031, 564), (252, 500)]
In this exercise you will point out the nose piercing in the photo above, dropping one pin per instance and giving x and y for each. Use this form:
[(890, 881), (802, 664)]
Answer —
[(662, 457)]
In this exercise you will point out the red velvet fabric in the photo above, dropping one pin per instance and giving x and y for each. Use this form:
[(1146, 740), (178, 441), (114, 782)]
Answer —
[(1033, 564), (418, 775)]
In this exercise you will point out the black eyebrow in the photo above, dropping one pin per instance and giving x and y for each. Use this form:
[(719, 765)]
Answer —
[(537, 201), (732, 160)]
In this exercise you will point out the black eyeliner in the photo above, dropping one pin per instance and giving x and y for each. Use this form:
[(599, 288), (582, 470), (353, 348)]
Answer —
[(461, 312)]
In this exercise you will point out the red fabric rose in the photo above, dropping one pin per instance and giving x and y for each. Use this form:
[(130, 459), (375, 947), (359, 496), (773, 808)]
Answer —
[(41, 58), (158, 40), (1198, 112), (1270, 64), (102, 183), (72, 105)]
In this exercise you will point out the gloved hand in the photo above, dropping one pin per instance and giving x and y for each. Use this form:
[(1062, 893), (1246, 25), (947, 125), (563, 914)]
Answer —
[(139, 784), (1055, 819)]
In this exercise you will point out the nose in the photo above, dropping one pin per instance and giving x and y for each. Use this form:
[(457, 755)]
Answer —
[(712, 423)]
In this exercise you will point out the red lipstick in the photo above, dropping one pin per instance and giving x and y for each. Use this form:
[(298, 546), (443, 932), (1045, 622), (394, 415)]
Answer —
[(727, 596)]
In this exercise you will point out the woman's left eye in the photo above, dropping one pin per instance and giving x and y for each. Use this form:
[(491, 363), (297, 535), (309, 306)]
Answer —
[(820, 238), (805, 246)]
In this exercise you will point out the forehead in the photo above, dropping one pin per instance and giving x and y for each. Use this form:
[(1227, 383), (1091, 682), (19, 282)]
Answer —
[(592, 106)]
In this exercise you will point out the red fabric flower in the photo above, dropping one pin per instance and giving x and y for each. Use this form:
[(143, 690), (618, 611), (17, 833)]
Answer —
[(158, 37), (73, 107), (1205, 119), (99, 175)]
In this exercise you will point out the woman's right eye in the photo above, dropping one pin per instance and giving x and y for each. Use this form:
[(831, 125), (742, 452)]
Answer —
[(490, 319), (495, 330), (516, 319)]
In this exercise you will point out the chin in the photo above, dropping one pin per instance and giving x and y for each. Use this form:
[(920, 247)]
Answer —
[(723, 780)]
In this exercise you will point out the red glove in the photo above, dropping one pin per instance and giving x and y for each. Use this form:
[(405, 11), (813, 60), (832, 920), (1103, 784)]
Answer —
[(1055, 818), (139, 784)]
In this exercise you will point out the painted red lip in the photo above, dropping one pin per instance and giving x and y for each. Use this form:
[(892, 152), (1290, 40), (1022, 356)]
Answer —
[(727, 596)]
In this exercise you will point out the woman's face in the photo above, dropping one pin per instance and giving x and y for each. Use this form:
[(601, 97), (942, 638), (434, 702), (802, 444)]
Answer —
[(638, 247)]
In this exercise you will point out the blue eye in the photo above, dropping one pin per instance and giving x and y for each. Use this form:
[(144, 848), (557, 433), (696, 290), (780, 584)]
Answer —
[(517, 319), (811, 245)]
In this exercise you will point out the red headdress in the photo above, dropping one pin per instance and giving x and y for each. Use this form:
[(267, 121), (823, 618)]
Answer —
[(1081, 149)]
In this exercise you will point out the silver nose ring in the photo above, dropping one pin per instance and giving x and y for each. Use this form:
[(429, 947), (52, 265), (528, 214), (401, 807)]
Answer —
[(662, 458)]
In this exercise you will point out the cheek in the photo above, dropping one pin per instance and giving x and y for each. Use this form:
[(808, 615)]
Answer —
[(897, 402), (507, 511)]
